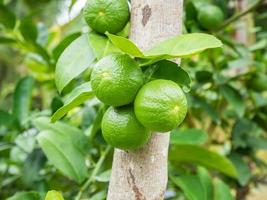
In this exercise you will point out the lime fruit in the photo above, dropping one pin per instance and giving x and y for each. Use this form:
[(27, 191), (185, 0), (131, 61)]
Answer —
[(259, 82), (106, 15), (116, 79), (122, 130), (160, 105), (210, 16)]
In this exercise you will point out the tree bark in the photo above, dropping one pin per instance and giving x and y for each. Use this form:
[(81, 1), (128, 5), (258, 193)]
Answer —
[(143, 174)]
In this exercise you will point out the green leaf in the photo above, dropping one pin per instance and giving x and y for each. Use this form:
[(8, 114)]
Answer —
[(28, 29), (222, 191), (171, 71), (7, 18), (188, 136), (78, 96), (103, 177), (31, 167), (76, 136), (76, 58), (125, 45), (99, 196), (63, 154), (234, 99), (184, 45), (25, 196), (22, 98), (191, 186), (53, 195), (6, 119), (63, 44), (206, 182), (101, 45), (176, 47), (199, 155), (202, 103), (243, 171), (6, 40)]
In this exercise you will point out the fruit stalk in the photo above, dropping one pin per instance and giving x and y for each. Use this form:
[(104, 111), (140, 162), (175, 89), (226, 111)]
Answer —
[(142, 174)]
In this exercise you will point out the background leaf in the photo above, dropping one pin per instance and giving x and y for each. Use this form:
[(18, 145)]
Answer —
[(76, 136), (25, 196), (7, 18), (78, 96), (63, 154), (76, 58), (191, 186), (22, 98), (234, 99), (243, 171), (188, 136), (198, 155), (28, 29), (222, 191), (206, 182)]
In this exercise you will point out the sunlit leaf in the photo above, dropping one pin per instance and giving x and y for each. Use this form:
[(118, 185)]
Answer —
[(63, 44), (53, 195), (191, 186), (176, 47), (75, 59), (78, 96), (222, 191), (206, 182), (101, 45)]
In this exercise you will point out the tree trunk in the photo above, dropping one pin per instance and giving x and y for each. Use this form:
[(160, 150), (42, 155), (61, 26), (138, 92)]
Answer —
[(143, 174)]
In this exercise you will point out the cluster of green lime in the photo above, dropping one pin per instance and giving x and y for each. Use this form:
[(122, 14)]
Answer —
[(137, 108), (210, 16)]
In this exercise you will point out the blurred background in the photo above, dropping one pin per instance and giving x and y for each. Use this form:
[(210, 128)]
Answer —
[(226, 125)]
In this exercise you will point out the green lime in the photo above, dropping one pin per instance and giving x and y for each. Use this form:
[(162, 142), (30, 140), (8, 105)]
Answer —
[(116, 79), (210, 16), (106, 15), (122, 130), (160, 105), (259, 82)]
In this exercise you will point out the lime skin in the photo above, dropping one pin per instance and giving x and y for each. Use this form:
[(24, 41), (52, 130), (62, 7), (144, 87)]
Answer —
[(107, 15), (122, 130), (210, 17), (116, 79), (160, 105)]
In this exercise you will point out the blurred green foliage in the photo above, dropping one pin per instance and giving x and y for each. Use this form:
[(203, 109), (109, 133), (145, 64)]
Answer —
[(224, 132)]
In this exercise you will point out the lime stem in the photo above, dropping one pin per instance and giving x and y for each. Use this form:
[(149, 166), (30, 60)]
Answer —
[(94, 173), (241, 14)]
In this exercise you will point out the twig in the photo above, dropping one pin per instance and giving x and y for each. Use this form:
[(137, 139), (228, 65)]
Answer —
[(241, 14), (94, 173)]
